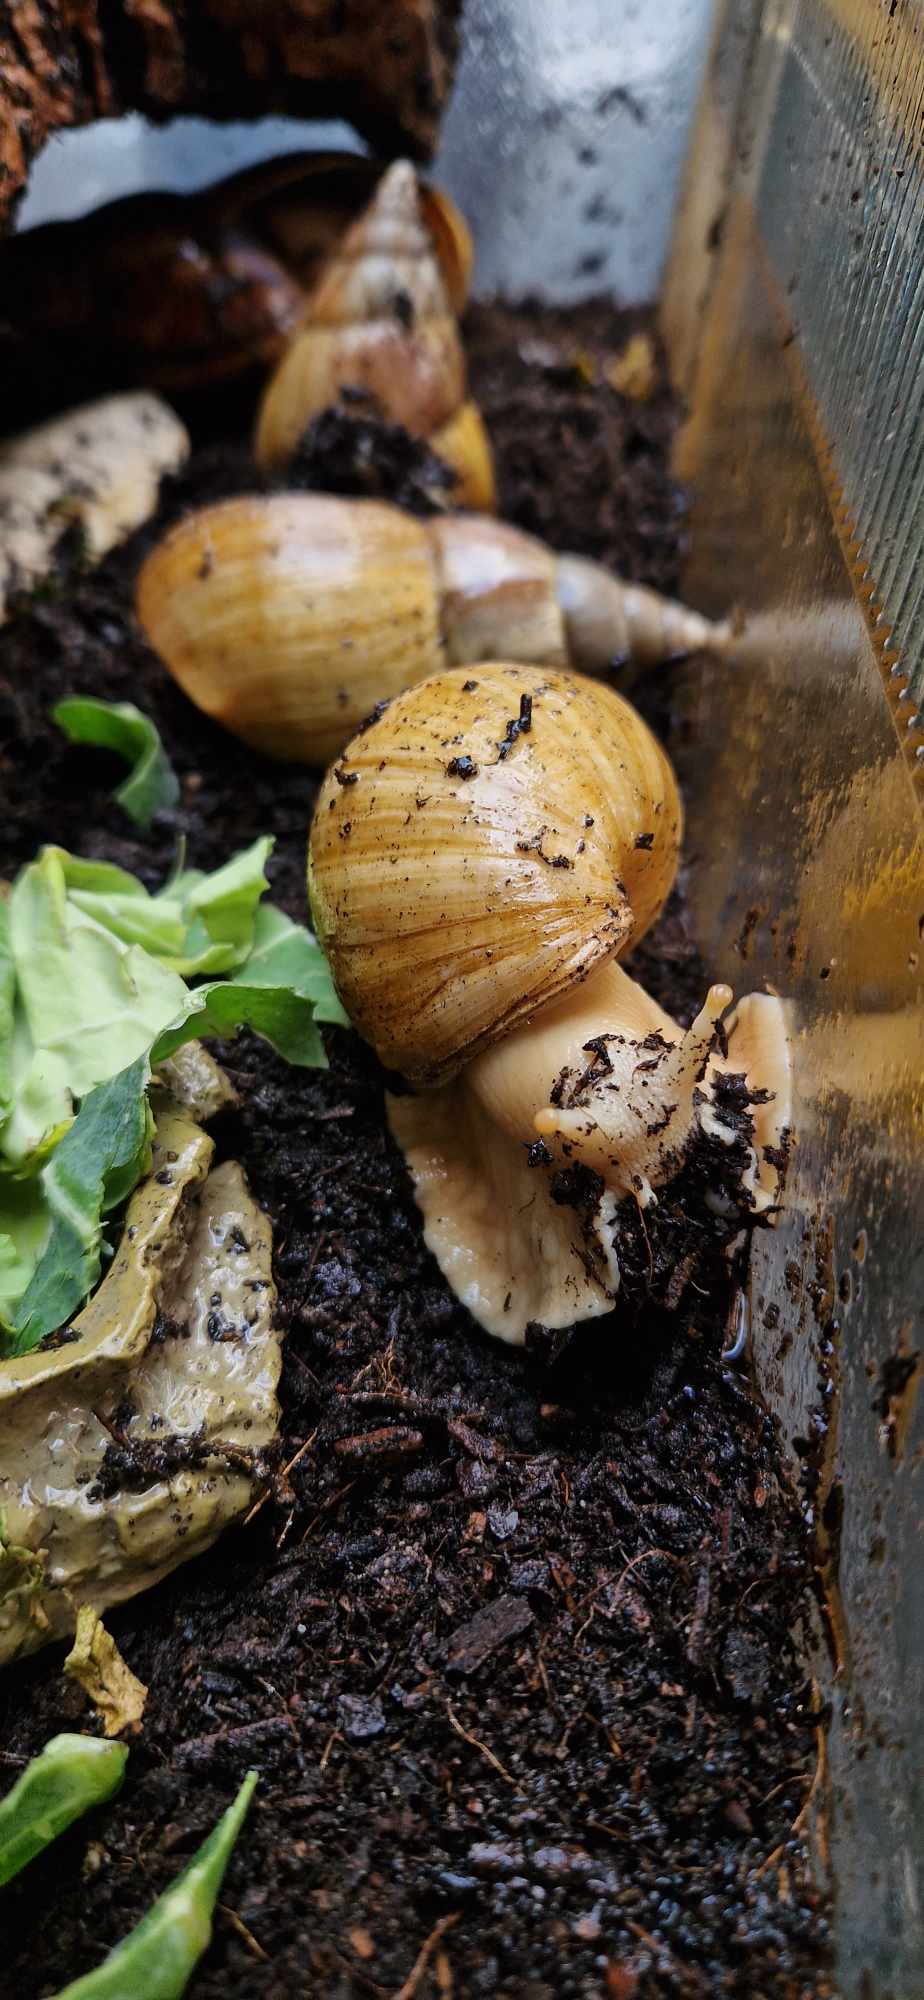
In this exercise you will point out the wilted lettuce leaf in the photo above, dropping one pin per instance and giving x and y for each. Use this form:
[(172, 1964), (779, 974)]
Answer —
[(152, 785)]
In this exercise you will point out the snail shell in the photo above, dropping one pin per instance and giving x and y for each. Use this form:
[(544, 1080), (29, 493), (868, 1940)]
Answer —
[(189, 292), (288, 616), (381, 319), (151, 290), (301, 206), (462, 868)]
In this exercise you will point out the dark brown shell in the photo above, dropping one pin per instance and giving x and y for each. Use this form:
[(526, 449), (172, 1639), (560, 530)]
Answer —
[(186, 292)]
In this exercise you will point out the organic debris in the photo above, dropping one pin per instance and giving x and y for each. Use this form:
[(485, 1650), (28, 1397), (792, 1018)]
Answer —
[(96, 1664)]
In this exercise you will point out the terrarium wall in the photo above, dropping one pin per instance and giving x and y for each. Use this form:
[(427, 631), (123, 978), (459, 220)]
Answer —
[(792, 313)]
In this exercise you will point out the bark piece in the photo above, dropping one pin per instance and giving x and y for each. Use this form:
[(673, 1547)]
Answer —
[(474, 1642), (386, 65)]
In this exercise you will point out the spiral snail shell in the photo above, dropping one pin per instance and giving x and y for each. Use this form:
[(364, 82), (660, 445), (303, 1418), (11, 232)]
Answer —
[(190, 292), (288, 616), (479, 861), (381, 319)]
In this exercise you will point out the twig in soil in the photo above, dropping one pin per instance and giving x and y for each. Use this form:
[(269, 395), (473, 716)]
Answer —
[(697, 1631), (239, 1925), (280, 1476), (612, 1832), (643, 1557), (485, 1752), (333, 1501), (334, 1737), (821, 1766), (419, 1967)]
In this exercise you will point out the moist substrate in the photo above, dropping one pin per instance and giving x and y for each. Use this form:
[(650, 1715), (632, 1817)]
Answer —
[(509, 1642)]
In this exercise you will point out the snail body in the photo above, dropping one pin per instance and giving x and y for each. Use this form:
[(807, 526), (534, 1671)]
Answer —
[(480, 861), (381, 319), (288, 616)]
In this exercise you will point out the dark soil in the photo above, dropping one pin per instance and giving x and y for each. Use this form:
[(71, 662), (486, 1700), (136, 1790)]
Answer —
[(510, 1643)]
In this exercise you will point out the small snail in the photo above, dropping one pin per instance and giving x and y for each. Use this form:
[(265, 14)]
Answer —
[(381, 318), (288, 616), (479, 860)]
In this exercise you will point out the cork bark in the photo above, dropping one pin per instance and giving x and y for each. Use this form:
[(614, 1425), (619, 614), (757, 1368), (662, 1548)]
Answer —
[(386, 65)]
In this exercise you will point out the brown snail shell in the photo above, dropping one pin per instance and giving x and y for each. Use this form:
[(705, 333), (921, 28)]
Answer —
[(480, 848), (150, 290), (189, 292), (288, 616), (381, 319), (301, 206)]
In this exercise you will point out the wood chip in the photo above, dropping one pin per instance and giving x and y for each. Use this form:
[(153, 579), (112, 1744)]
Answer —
[(474, 1642)]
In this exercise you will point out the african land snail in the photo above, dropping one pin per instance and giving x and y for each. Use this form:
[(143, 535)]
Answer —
[(479, 860), (288, 616), (382, 318)]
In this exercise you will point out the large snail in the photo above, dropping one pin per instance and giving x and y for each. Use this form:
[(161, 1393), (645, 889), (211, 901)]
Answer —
[(288, 616), (479, 859), (381, 318)]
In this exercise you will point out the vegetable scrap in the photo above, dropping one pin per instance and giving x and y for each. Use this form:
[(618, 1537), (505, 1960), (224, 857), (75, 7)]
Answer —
[(156, 1960), (152, 785), (95, 1662), (67, 1779), (95, 992)]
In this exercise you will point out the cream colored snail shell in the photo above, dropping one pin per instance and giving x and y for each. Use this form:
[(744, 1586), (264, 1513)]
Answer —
[(381, 318), (479, 860), (289, 616), (462, 856)]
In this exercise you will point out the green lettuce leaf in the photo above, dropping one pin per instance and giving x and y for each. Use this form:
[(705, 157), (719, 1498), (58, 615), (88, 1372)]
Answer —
[(152, 785), (87, 1004), (93, 1169), (7, 1002), (94, 974), (285, 954)]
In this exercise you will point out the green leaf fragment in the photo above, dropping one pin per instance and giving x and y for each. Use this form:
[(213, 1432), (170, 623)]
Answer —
[(94, 974), (87, 1005), (285, 954), (157, 1959), (93, 1169), (152, 785), (70, 1776), (285, 1020)]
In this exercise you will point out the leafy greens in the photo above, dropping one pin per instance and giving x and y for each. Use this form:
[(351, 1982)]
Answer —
[(152, 785), (94, 993)]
